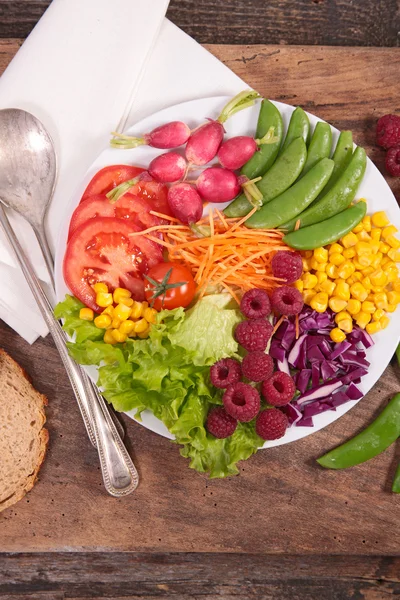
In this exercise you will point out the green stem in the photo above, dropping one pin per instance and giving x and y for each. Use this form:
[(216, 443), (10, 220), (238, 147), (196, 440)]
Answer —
[(239, 102), (121, 189), (125, 141), (201, 231), (252, 193), (268, 138)]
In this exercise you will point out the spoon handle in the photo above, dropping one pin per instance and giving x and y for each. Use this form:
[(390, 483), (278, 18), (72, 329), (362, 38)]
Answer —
[(119, 473)]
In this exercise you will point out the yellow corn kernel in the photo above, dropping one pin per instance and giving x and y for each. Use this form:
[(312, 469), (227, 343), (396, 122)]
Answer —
[(357, 276), (307, 295), (370, 297), (353, 306), (321, 255), (376, 260), (358, 291), (346, 325), (367, 223), (374, 244), (363, 236), (108, 311), (346, 270), (391, 271), (321, 267), (331, 271), (396, 285), (337, 304), (337, 335), (327, 286), (366, 283), (306, 266), (145, 305), (376, 233), (362, 319), (104, 299), (349, 252), (391, 307), (86, 314), (116, 323), (137, 310), (388, 231), (126, 301), (319, 302), (118, 335), (365, 260), (109, 338), (373, 327), (335, 248), (342, 290), (102, 321), (393, 297), (127, 327), (150, 314), (321, 277), (351, 280), (132, 334), (384, 247), (393, 241), (367, 271), (384, 321), (141, 326), (379, 219), (341, 316), (299, 285), (378, 314), (350, 239), (308, 253), (386, 260), (358, 228), (363, 248), (380, 300), (394, 255), (100, 287), (314, 264), (121, 293), (144, 334), (122, 312), (336, 259), (378, 277), (357, 265), (309, 281), (368, 307)]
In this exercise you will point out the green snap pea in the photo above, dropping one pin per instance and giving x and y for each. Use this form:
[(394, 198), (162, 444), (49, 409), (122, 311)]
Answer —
[(279, 178), (294, 200), (299, 126), (326, 232), (341, 157), (339, 196), (396, 481), (369, 443), (265, 157), (320, 145)]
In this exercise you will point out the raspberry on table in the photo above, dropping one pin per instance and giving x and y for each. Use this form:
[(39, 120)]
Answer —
[(388, 131), (255, 304), (393, 161), (279, 389), (253, 335), (257, 366), (287, 266), (219, 423), (287, 300), (225, 372), (241, 401), (271, 424)]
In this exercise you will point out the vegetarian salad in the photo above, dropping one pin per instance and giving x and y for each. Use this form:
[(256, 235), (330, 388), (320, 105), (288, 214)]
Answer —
[(230, 324)]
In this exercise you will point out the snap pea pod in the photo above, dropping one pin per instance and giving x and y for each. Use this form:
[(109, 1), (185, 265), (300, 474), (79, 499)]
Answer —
[(326, 232), (265, 157), (279, 178), (369, 443), (396, 481), (320, 145), (299, 126), (339, 196), (341, 157), (294, 200)]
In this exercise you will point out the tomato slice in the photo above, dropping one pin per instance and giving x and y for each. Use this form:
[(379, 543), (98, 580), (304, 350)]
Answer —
[(108, 178), (101, 249)]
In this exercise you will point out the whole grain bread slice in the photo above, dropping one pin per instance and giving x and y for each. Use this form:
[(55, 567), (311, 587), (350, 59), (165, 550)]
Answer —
[(23, 438)]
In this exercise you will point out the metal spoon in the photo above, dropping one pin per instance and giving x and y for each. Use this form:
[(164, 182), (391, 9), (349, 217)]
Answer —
[(27, 177)]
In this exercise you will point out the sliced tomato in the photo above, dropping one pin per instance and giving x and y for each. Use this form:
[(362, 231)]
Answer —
[(101, 249), (108, 178)]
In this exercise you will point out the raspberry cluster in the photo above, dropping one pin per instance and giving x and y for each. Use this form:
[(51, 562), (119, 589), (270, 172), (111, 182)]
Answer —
[(388, 137)]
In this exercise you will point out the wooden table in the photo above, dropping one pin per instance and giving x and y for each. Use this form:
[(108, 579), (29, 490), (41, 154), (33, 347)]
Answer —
[(284, 528)]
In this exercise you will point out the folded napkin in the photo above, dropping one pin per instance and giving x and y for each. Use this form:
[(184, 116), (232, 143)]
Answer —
[(84, 77)]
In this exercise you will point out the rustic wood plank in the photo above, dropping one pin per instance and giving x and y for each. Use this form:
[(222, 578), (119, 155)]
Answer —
[(207, 576), (282, 500), (327, 22)]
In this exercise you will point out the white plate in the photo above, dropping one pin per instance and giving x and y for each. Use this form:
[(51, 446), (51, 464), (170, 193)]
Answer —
[(374, 188)]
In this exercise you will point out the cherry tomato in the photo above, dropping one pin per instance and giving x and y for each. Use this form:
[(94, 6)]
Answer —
[(108, 178), (102, 249), (174, 297)]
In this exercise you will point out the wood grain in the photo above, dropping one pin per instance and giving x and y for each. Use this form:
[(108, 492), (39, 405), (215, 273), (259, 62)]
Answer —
[(282, 503), (327, 22)]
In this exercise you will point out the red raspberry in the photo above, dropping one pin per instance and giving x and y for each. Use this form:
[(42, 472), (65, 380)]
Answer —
[(393, 161), (257, 366), (253, 335), (241, 401), (219, 423), (271, 424), (287, 266), (388, 131), (279, 389), (225, 372), (255, 304), (287, 300)]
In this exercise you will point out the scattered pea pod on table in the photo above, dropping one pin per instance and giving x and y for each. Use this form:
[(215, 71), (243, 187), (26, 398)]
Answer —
[(320, 145)]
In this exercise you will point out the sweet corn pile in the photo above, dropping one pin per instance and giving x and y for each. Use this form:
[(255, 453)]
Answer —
[(122, 317), (357, 277)]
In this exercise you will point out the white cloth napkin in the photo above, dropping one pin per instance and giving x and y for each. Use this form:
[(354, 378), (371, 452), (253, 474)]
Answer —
[(84, 77)]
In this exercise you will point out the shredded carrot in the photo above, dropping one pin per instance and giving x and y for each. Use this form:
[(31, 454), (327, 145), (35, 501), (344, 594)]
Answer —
[(297, 225), (297, 327), (278, 324)]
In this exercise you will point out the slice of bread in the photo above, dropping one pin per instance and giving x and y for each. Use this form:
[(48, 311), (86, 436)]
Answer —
[(23, 439)]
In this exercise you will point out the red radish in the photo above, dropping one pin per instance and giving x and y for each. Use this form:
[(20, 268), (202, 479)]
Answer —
[(216, 184), (204, 143), (170, 135), (185, 203), (168, 167), (236, 151)]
